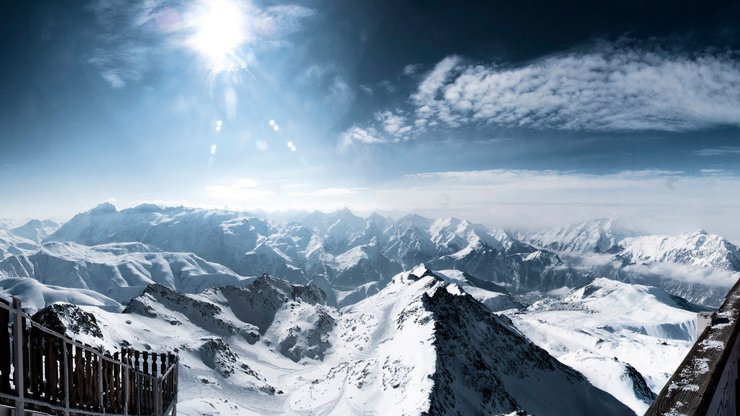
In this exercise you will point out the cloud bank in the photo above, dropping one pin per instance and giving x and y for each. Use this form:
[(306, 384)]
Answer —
[(654, 200)]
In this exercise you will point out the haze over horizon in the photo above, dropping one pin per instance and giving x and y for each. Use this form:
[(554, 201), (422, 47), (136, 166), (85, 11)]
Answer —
[(507, 115)]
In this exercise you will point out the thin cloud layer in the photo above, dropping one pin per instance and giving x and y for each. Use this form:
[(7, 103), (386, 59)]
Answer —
[(659, 201)]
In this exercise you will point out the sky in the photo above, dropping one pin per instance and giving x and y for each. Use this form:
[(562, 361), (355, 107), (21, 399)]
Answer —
[(524, 113)]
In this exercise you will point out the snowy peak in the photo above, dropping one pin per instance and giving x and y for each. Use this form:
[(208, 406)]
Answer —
[(601, 235), (497, 370), (699, 248), (36, 230), (414, 221), (464, 360)]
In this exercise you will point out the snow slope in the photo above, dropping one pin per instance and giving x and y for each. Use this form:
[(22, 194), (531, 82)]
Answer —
[(420, 346), (639, 326), (36, 295), (11, 244), (119, 271)]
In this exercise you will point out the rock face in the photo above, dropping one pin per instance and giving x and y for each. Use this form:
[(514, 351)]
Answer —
[(484, 366), (69, 319), (292, 317)]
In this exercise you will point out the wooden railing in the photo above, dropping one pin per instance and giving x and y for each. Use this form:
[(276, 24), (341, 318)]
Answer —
[(707, 380), (44, 371)]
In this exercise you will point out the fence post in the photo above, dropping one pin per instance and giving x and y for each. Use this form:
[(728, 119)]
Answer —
[(99, 360), (157, 397), (138, 393), (18, 375), (125, 391), (66, 377)]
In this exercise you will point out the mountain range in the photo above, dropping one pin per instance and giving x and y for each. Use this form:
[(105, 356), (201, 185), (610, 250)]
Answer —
[(332, 313)]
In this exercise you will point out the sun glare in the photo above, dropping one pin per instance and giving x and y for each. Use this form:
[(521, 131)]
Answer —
[(218, 31)]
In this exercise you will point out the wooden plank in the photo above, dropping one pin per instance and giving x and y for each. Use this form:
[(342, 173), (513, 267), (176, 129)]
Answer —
[(77, 375), (116, 384), (70, 374), (146, 385), (50, 369), (26, 352), (4, 351), (37, 363), (89, 386)]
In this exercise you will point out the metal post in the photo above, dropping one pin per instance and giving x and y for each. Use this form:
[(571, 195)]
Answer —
[(18, 376), (66, 377)]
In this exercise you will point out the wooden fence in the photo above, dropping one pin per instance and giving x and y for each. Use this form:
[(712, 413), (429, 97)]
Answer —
[(44, 371)]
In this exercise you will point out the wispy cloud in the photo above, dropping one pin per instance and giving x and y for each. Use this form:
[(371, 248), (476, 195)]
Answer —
[(611, 87), (614, 88), (719, 151), (358, 135)]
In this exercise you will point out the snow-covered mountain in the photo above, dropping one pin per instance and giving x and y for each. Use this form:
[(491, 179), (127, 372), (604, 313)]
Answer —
[(699, 249), (118, 270), (334, 336), (36, 230), (601, 235), (340, 249), (11, 244), (421, 346), (620, 336), (699, 266)]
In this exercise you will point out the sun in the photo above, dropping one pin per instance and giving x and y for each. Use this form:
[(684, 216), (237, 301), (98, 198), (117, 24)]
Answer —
[(218, 31)]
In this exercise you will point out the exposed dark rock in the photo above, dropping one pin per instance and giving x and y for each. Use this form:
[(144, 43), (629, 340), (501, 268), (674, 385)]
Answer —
[(68, 319)]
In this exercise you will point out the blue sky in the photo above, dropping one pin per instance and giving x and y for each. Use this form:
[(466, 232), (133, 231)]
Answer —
[(526, 114)]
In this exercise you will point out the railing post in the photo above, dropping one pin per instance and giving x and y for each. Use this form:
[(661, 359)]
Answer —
[(157, 397), (66, 377), (138, 393), (99, 360), (125, 391), (18, 375)]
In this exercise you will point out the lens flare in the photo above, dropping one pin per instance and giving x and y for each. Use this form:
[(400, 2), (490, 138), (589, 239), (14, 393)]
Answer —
[(218, 30)]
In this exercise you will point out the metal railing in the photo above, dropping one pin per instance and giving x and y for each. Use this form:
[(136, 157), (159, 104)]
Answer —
[(44, 371)]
